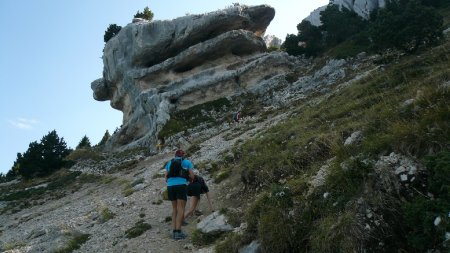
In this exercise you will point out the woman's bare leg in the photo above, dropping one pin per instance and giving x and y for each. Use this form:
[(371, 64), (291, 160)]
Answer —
[(192, 207)]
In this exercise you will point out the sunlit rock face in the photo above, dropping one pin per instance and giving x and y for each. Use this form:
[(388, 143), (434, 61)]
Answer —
[(361, 7), (152, 69)]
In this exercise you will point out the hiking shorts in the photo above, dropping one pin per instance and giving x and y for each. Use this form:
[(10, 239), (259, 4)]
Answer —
[(194, 189), (177, 192)]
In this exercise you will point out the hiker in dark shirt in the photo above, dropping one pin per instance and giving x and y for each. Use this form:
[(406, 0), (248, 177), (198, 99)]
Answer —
[(196, 187)]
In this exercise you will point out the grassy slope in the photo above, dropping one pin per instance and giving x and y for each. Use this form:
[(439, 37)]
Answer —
[(295, 150)]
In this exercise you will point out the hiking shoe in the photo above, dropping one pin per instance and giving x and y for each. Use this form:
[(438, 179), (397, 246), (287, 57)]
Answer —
[(184, 223), (198, 213), (179, 236)]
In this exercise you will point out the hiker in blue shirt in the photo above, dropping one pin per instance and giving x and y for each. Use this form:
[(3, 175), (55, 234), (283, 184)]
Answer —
[(177, 172)]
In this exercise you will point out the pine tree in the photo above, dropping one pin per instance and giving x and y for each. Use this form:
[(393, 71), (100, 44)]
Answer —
[(111, 31), (146, 14), (105, 138), (84, 143), (340, 25), (42, 158)]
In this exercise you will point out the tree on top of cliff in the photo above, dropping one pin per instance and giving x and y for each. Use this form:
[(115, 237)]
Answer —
[(112, 31), (146, 14)]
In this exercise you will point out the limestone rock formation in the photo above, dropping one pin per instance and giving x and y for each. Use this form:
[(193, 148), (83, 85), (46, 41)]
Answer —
[(362, 7), (152, 69), (214, 223), (314, 16)]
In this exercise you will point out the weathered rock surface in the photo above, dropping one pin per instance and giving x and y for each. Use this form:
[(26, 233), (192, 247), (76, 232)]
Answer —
[(314, 16), (147, 44), (361, 7), (215, 223), (152, 69)]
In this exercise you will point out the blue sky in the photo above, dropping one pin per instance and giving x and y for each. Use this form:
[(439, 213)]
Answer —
[(50, 52)]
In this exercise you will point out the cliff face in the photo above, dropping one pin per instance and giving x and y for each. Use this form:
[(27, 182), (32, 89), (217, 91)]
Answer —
[(362, 7), (152, 69)]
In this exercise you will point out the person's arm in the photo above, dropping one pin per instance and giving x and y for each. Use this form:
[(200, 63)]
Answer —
[(165, 171), (191, 175), (190, 168), (209, 202)]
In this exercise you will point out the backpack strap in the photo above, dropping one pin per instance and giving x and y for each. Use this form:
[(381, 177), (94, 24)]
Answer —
[(181, 172)]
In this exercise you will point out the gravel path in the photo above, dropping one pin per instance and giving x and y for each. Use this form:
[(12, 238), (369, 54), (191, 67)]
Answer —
[(41, 228)]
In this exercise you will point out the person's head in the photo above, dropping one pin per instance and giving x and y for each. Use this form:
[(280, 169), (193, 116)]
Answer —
[(180, 153)]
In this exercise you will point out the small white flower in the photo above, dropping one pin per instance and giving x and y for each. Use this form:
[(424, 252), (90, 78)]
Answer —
[(437, 221)]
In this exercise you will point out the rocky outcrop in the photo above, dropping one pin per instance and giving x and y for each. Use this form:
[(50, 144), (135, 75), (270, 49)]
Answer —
[(215, 223), (361, 7), (152, 69), (314, 16)]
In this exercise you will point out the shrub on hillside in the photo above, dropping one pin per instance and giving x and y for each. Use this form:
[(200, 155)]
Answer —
[(426, 219), (290, 45), (84, 154), (139, 228)]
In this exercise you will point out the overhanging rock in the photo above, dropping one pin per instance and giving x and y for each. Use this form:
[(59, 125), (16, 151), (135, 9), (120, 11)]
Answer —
[(152, 69)]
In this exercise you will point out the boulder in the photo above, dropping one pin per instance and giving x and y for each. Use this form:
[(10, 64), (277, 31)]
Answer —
[(214, 223), (355, 137), (149, 43)]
